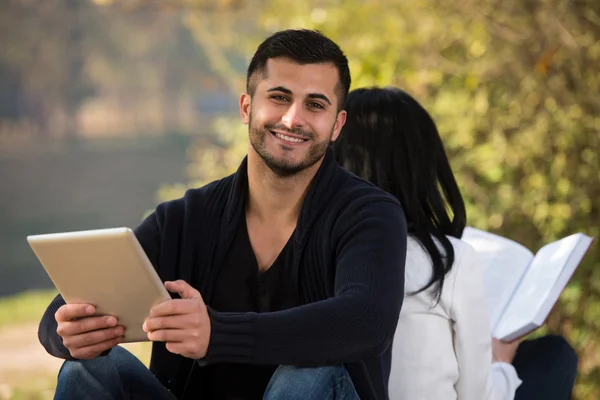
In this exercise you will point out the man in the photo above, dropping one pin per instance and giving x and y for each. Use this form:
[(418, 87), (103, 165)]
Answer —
[(296, 267)]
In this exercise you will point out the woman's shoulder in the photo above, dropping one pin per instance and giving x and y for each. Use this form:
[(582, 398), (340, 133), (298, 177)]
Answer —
[(457, 244), (463, 251), (417, 255), (419, 266)]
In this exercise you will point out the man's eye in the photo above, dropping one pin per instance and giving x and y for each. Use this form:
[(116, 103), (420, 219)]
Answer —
[(315, 105), (279, 98)]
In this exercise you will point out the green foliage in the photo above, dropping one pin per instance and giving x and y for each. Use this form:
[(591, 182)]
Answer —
[(213, 156)]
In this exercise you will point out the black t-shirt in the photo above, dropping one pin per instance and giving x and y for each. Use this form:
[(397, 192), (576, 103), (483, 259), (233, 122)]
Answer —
[(241, 288)]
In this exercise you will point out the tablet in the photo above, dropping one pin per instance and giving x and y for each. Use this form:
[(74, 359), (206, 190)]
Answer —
[(106, 268)]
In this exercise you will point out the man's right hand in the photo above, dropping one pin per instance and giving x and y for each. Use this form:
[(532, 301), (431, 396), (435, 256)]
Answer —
[(87, 336)]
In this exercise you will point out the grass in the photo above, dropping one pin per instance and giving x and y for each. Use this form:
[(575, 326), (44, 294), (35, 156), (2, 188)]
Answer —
[(37, 386), (21, 311), (24, 307)]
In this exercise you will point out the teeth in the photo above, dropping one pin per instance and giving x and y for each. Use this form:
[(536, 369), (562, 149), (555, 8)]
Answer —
[(288, 138)]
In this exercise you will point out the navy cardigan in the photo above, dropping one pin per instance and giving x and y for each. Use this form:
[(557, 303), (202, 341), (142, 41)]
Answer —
[(350, 249)]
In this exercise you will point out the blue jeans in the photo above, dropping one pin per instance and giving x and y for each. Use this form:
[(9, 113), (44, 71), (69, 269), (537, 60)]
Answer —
[(324, 383), (120, 375)]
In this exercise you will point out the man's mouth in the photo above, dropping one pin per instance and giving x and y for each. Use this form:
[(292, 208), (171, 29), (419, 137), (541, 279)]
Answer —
[(288, 138)]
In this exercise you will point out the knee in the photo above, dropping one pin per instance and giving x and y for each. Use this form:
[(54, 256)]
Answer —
[(82, 369), (288, 381), (559, 355), (309, 376), (565, 353), (73, 371)]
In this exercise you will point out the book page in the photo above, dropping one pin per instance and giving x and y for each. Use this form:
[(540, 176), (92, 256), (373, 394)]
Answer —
[(543, 282), (505, 262)]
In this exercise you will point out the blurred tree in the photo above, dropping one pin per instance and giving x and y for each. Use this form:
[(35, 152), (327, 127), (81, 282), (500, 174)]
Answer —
[(58, 57), (78, 87), (41, 40), (514, 87)]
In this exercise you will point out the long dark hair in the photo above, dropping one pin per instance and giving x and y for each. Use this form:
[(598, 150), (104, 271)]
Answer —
[(390, 140)]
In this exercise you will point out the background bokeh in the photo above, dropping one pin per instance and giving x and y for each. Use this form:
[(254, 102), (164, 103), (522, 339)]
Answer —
[(108, 107)]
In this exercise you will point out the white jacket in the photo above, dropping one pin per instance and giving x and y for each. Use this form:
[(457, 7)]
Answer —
[(444, 352)]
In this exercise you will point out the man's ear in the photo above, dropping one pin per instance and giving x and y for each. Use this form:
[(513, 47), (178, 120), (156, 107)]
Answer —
[(339, 123), (245, 104)]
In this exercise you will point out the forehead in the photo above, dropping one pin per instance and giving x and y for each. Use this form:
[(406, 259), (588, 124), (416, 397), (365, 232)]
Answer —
[(301, 79)]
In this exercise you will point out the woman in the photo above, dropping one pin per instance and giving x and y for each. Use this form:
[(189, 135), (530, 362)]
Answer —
[(443, 344)]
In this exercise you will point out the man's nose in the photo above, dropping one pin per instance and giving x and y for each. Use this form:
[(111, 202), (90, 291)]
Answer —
[(294, 116)]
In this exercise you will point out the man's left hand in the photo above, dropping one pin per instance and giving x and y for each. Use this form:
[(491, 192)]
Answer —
[(183, 323)]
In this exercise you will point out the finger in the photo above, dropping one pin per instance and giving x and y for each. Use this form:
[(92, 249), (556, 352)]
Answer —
[(183, 288), (69, 312), (184, 348), (173, 307), (169, 322), (92, 338), (93, 351), (168, 335), (84, 325), (175, 347)]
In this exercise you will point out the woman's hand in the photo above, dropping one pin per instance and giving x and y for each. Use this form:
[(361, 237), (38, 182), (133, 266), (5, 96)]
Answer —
[(504, 351)]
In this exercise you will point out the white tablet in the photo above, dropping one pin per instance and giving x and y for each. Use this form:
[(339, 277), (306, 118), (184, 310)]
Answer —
[(106, 268)]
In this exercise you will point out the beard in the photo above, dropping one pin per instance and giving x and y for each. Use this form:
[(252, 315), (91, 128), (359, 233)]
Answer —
[(284, 166)]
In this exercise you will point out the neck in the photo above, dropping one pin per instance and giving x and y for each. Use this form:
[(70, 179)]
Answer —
[(273, 198)]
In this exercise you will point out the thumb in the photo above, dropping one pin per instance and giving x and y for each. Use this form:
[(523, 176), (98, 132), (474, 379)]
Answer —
[(183, 288)]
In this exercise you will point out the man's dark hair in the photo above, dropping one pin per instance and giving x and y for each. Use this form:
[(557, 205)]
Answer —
[(304, 47)]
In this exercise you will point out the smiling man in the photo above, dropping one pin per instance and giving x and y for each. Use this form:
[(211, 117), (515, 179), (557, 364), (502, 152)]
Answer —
[(290, 271), (302, 119)]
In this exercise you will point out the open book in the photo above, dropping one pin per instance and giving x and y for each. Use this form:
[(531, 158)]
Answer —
[(524, 287)]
